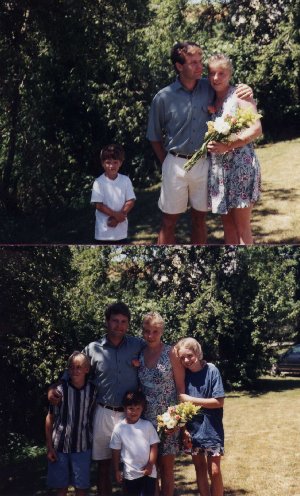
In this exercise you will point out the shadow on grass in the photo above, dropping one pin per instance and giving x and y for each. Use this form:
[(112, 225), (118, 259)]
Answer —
[(270, 384), (189, 488), (66, 226), (275, 385), (76, 226), (71, 225), (145, 221), (235, 492), (281, 194), (261, 214), (28, 478)]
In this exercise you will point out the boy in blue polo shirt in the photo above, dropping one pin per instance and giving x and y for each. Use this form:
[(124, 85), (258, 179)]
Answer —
[(69, 430)]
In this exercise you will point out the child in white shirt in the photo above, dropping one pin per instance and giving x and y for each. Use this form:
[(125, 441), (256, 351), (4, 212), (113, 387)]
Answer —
[(113, 197), (134, 443)]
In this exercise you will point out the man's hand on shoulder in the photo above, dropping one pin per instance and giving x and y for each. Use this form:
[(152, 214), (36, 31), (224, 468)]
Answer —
[(54, 395), (244, 92)]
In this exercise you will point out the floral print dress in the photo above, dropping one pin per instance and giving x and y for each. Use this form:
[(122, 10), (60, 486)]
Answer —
[(234, 179), (158, 385)]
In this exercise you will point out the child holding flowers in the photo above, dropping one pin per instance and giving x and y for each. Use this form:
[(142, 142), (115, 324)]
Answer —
[(234, 180), (204, 437)]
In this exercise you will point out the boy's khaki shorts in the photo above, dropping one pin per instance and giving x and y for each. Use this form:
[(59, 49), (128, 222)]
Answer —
[(181, 189), (104, 422)]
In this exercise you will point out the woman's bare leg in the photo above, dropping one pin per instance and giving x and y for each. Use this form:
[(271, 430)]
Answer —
[(242, 220), (166, 468)]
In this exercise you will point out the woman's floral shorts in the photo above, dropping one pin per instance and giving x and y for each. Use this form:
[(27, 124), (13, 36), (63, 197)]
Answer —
[(202, 450)]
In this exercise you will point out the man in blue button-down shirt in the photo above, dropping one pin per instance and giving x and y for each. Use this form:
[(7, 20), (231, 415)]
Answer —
[(114, 361), (176, 128)]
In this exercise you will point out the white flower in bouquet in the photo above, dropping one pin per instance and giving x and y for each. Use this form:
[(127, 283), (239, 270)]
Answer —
[(171, 424), (166, 417), (222, 126)]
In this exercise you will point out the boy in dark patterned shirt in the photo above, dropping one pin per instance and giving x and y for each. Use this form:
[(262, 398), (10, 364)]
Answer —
[(69, 430)]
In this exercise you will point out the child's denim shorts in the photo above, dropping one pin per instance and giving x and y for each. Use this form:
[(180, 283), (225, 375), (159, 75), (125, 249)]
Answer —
[(70, 469)]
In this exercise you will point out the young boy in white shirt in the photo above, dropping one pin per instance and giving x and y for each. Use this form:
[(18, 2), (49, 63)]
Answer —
[(134, 443), (113, 197)]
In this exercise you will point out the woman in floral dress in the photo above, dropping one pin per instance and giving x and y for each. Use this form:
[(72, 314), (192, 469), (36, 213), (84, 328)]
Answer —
[(234, 177), (161, 376)]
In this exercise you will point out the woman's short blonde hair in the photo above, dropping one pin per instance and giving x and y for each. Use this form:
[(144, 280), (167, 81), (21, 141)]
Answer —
[(220, 58), (191, 344), (154, 318)]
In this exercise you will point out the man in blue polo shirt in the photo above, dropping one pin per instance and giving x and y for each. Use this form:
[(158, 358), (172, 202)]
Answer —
[(176, 128), (114, 371)]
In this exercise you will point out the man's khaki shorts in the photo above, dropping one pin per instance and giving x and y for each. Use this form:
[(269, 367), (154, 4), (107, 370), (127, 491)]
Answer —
[(181, 189), (104, 422)]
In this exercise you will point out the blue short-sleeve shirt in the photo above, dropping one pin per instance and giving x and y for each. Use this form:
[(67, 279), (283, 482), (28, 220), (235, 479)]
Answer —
[(178, 117), (112, 368), (206, 428)]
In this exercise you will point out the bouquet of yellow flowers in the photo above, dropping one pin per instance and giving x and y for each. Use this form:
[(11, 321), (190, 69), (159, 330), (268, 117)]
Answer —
[(176, 416), (224, 129)]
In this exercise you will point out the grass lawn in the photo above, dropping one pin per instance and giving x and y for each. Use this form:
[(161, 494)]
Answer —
[(262, 430), (276, 217)]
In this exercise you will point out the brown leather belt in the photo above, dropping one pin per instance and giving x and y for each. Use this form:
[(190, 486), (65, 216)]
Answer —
[(114, 408), (180, 155)]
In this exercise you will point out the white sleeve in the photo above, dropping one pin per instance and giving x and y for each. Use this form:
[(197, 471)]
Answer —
[(97, 193), (129, 195), (153, 436), (115, 441)]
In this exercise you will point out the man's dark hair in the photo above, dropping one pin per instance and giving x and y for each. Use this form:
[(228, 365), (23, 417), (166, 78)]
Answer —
[(113, 151), (180, 49), (116, 308), (134, 398)]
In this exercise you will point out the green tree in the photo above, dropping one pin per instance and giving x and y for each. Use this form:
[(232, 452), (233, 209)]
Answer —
[(35, 336)]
